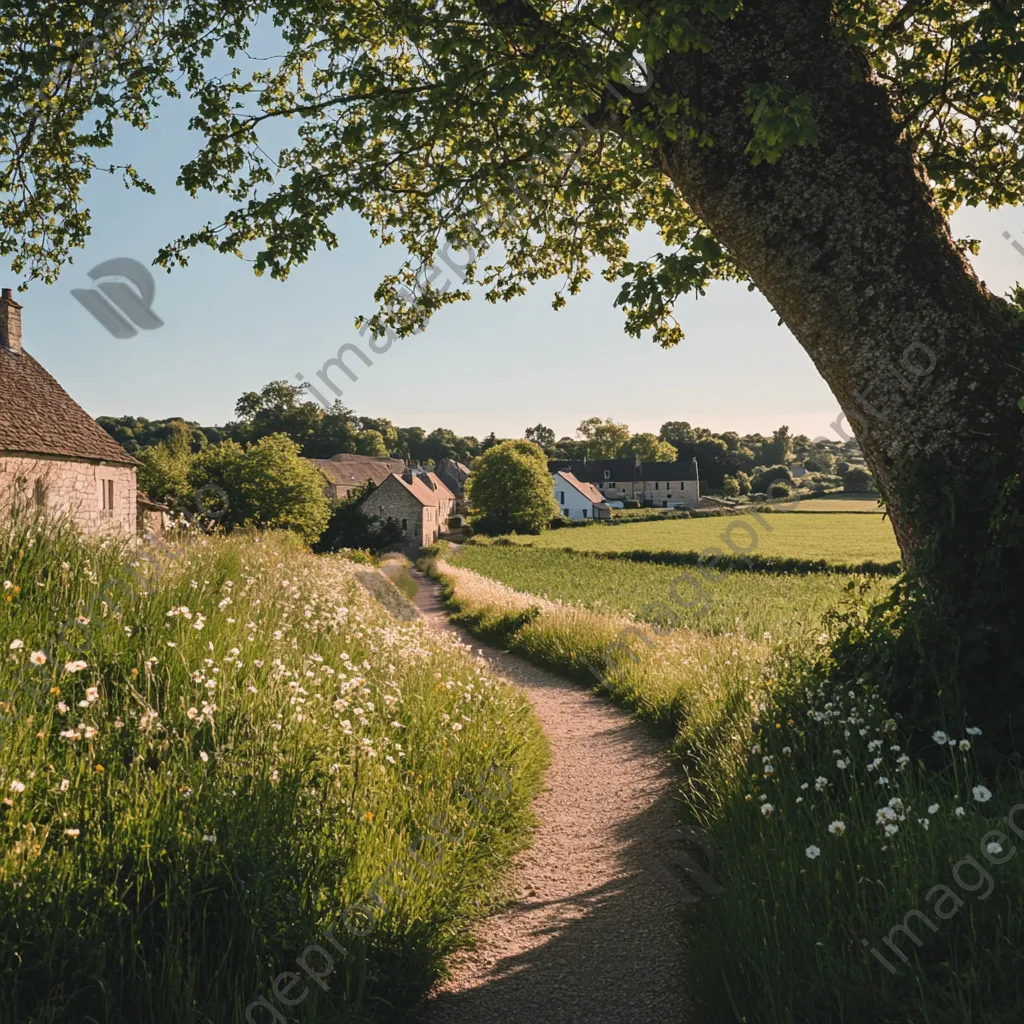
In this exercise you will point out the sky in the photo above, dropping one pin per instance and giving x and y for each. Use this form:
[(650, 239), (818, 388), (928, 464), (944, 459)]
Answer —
[(478, 367)]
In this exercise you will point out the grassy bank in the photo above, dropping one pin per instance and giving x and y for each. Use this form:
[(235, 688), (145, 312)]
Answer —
[(229, 761), (750, 603), (857, 885)]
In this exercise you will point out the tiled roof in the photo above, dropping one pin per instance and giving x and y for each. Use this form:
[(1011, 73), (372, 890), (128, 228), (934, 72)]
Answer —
[(588, 491), (421, 491), (355, 470), (442, 488), (38, 417)]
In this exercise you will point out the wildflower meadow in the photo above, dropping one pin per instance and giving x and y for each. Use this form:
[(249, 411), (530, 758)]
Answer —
[(222, 757)]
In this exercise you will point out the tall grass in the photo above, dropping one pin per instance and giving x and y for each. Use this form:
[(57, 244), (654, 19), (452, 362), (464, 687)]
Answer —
[(229, 747), (859, 884)]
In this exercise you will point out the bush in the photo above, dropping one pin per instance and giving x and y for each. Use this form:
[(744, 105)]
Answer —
[(764, 478), (266, 484), (858, 480), (730, 487)]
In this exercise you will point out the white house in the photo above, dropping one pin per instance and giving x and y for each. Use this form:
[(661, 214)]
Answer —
[(579, 500), (652, 484)]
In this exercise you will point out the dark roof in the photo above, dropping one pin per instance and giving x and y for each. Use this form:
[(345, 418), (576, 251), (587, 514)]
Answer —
[(354, 470), (626, 470), (38, 417)]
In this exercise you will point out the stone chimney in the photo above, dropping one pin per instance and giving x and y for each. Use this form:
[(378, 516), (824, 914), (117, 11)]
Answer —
[(407, 475), (10, 323)]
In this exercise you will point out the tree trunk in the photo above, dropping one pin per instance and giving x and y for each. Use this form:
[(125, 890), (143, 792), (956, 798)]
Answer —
[(846, 242)]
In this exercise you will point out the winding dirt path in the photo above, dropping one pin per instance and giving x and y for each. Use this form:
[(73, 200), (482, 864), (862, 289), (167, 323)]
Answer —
[(595, 934)]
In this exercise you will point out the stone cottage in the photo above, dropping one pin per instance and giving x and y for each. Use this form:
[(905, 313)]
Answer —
[(52, 452), (417, 500)]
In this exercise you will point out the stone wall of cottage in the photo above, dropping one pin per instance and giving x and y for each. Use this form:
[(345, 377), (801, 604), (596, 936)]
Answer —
[(392, 501), (684, 492), (74, 486)]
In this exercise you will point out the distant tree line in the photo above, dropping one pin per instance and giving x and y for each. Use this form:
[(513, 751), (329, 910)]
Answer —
[(178, 456)]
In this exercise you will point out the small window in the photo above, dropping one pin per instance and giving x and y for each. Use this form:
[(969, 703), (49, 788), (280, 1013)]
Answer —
[(584, 513), (561, 497), (607, 475), (107, 495), (405, 525), (656, 485), (613, 486)]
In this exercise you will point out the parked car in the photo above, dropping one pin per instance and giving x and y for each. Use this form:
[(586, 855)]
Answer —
[(615, 504)]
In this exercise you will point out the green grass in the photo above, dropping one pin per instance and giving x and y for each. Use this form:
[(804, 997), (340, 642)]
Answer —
[(780, 938), (835, 538), (193, 811), (751, 603), (833, 503)]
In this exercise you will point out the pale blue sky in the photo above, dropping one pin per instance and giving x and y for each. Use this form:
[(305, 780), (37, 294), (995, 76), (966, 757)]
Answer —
[(477, 368)]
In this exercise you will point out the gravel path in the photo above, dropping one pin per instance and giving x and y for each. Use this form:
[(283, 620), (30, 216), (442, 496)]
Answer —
[(595, 934)]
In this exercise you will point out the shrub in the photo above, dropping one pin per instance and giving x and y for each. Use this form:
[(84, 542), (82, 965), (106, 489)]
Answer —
[(764, 478), (266, 484), (858, 480), (730, 487)]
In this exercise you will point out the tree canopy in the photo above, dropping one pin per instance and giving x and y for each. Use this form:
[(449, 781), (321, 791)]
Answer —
[(510, 488), (500, 141)]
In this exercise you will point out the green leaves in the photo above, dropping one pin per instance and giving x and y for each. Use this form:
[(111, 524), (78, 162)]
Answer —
[(498, 144), (780, 121)]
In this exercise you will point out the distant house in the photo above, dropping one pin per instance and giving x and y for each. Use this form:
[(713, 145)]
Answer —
[(453, 475), (346, 472), (577, 499), (52, 452), (417, 500), (655, 484)]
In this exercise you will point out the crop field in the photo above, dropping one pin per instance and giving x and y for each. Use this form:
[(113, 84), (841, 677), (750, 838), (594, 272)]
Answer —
[(750, 603), (840, 539)]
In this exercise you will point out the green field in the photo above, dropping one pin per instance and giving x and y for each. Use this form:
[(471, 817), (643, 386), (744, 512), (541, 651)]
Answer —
[(751, 603), (833, 503), (836, 538)]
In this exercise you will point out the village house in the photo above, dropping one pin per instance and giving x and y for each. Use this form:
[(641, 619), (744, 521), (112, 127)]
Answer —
[(52, 453), (346, 472), (654, 484), (453, 475), (577, 499), (417, 500)]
